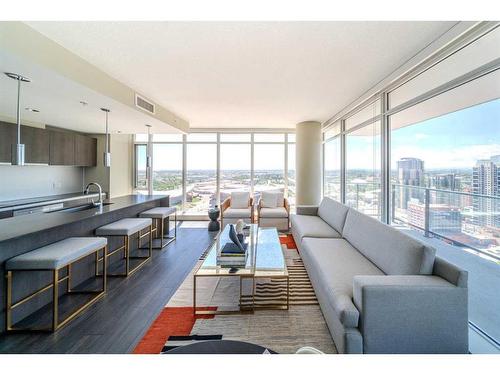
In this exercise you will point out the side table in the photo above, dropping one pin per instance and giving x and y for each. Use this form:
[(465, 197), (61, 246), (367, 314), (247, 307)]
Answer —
[(214, 224)]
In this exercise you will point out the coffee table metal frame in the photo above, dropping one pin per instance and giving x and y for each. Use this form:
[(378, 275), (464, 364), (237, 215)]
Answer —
[(243, 273)]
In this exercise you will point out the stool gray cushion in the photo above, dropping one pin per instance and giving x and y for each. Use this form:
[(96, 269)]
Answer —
[(158, 212), (56, 255), (124, 227)]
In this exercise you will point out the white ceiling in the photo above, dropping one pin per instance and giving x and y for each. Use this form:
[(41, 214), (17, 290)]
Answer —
[(58, 100), (247, 74)]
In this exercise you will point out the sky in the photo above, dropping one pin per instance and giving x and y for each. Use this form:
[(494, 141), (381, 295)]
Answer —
[(452, 141), (233, 157)]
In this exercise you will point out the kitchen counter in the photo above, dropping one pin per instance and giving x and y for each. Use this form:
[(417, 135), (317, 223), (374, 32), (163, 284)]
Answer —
[(14, 227), (18, 204), (21, 234)]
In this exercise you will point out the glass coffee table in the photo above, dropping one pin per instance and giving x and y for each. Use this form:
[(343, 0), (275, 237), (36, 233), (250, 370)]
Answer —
[(265, 260)]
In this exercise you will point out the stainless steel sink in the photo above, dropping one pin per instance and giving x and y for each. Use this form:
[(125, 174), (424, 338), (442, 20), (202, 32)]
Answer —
[(87, 206)]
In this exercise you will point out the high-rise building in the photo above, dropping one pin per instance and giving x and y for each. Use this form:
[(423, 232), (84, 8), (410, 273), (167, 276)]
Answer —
[(486, 181), (410, 172), (445, 181)]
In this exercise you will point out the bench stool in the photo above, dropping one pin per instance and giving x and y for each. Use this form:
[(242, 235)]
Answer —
[(54, 257), (126, 228), (159, 214)]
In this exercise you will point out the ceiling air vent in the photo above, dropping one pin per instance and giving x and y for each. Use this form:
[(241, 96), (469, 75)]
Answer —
[(144, 104)]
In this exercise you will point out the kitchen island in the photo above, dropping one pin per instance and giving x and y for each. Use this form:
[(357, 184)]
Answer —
[(21, 234)]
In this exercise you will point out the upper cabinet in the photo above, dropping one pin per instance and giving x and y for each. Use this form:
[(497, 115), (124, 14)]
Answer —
[(85, 151), (62, 148), (36, 141), (48, 146), (7, 138)]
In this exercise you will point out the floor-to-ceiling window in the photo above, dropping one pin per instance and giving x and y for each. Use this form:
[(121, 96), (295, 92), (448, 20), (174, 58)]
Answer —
[(201, 173), (424, 156), (363, 168), (331, 160), (269, 163), (195, 167), (140, 177), (167, 175), (235, 164), (445, 177)]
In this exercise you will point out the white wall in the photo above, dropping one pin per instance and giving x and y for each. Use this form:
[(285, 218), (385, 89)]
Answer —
[(116, 180), (18, 182), (121, 170)]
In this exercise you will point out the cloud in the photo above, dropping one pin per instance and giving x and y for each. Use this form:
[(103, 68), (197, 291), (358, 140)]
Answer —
[(421, 136), (457, 157)]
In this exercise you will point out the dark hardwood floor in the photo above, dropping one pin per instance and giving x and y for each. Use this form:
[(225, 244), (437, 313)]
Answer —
[(118, 321)]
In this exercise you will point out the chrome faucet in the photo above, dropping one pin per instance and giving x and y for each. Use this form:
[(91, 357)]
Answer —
[(87, 189)]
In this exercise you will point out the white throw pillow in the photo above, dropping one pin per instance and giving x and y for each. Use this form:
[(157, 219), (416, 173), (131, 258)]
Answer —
[(240, 199), (272, 199)]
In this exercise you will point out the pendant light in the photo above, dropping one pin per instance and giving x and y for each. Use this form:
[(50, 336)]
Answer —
[(18, 147), (107, 154)]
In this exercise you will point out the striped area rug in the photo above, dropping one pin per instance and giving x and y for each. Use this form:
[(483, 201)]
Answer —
[(273, 292)]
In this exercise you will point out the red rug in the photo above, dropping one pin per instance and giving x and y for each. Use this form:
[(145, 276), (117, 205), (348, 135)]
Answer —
[(288, 241), (172, 321)]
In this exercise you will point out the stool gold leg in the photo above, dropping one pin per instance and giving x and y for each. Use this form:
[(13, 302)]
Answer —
[(162, 226), (8, 313), (55, 287), (104, 267), (151, 240), (97, 263), (127, 253), (68, 286)]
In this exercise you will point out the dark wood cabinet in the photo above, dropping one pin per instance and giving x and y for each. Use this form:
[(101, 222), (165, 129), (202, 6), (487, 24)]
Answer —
[(7, 138), (44, 146), (85, 151), (62, 148), (36, 145)]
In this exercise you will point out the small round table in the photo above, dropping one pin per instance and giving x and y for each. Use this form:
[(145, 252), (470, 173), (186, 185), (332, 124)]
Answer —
[(220, 347), (214, 224)]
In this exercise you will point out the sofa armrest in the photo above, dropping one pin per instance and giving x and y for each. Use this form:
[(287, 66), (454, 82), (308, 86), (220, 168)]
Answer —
[(286, 204), (411, 314), (310, 210), (450, 272), (225, 205)]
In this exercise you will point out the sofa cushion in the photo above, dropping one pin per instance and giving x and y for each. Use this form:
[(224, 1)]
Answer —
[(391, 250), (240, 199), (312, 226), (273, 212), (335, 263), (333, 212), (237, 212)]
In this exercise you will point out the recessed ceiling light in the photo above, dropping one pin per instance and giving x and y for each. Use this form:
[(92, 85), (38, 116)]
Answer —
[(84, 103), (31, 109)]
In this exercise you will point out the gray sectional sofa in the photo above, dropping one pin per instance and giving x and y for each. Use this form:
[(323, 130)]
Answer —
[(380, 290)]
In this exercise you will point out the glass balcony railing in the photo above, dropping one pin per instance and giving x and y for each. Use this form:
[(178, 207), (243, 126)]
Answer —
[(364, 197), (459, 218)]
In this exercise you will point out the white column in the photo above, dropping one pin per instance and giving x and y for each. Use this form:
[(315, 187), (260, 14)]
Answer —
[(308, 163)]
